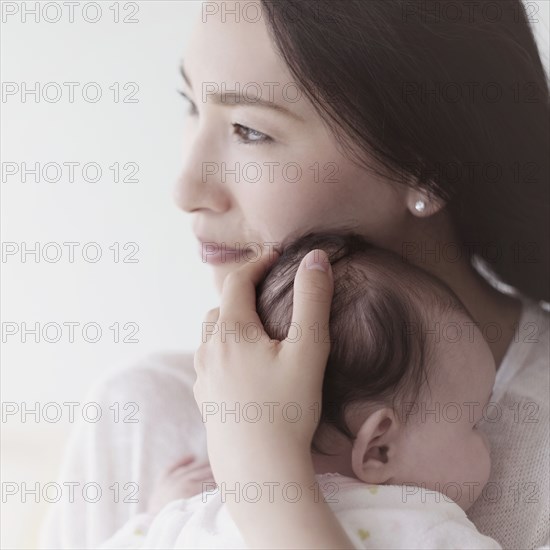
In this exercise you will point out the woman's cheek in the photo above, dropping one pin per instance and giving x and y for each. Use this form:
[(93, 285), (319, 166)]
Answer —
[(276, 209)]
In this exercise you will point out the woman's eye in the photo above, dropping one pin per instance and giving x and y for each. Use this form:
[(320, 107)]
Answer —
[(192, 108), (250, 136), (245, 134)]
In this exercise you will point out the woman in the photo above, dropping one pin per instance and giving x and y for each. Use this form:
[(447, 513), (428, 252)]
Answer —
[(421, 125)]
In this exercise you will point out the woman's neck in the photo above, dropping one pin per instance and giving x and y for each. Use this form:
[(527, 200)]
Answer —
[(496, 314)]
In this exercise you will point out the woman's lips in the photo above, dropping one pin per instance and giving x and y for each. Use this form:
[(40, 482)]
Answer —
[(220, 253)]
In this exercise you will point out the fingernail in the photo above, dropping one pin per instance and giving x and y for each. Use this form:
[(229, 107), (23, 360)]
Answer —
[(317, 259)]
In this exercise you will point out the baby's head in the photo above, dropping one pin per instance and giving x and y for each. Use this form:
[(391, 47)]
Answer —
[(408, 376)]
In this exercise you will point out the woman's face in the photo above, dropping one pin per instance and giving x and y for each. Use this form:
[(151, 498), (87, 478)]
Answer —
[(263, 167)]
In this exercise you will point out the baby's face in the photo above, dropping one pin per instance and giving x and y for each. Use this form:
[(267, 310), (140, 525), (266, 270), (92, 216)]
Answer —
[(442, 447)]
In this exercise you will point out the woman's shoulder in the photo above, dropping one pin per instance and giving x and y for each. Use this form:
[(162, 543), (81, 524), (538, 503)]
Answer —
[(177, 364), (525, 365), (164, 371)]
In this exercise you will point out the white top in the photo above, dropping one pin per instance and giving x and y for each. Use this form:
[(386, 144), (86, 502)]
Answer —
[(383, 516), (130, 457)]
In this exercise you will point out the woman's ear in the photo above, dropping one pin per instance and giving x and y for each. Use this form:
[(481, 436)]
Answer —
[(375, 448), (422, 204)]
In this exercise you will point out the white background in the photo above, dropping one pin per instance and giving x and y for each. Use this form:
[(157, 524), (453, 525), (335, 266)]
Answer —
[(167, 291)]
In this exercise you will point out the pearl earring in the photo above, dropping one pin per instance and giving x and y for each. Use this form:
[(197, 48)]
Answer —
[(420, 206)]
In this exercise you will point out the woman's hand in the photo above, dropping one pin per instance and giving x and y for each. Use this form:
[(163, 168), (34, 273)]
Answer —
[(260, 402), (261, 398)]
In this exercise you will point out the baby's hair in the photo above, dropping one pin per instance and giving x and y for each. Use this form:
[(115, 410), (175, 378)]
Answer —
[(379, 353)]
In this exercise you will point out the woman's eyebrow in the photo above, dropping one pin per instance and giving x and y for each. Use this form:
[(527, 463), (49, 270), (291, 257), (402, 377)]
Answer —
[(185, 77), (235, 98)]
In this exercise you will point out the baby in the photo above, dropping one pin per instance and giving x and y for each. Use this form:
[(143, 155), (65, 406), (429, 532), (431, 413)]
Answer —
[(397, 453)]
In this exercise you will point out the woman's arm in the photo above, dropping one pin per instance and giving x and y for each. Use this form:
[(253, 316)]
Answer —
[(262, 460), (124, 456), (291, 512)]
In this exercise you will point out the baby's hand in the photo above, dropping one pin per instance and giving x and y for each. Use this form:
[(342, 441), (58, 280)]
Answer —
[(183, 480)]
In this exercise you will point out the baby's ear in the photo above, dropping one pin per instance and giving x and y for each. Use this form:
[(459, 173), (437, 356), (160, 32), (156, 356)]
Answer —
[(375, 449)]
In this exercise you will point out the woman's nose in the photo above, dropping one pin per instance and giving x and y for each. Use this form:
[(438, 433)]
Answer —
[(198, 187)]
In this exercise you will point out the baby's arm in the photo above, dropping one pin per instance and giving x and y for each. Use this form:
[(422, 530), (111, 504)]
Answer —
[(372, 524)]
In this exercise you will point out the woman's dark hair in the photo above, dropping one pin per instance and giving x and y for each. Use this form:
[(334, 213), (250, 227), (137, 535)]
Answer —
[(380, 351), (450, 95)]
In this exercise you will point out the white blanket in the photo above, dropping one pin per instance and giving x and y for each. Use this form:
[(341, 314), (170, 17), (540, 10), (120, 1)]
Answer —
[(374, 516)]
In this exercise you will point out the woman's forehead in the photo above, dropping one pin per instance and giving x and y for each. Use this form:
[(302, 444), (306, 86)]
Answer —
[(240, 58), (225, 48)]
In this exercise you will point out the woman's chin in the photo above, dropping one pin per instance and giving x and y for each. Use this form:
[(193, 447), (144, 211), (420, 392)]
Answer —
[(220, 271)]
